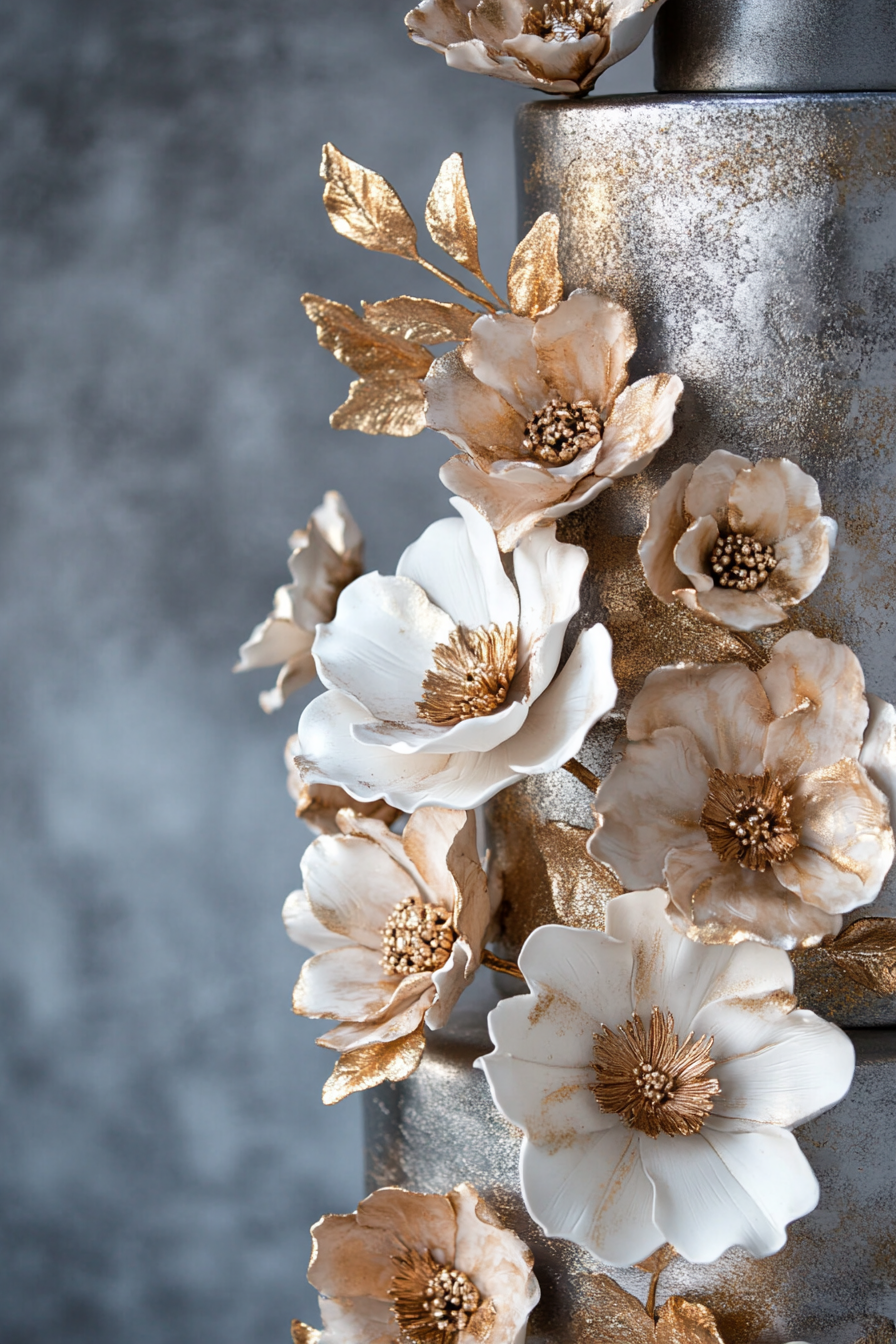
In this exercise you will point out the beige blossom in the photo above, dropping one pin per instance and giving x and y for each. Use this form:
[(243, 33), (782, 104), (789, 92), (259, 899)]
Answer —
[(406, 1262), (737, 543), (326, 555), (752, 795), (556, 46), (541, 410)]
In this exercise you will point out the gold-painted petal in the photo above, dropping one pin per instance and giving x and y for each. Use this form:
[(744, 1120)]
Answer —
[(617, 1316), (449, 216), (304, 1334), (534, 282), (383, 406), (866, 952), (681, 1322), (374, 1064), (426, 321), (363, 207), (472, 908), (665, 524), (364, 347)]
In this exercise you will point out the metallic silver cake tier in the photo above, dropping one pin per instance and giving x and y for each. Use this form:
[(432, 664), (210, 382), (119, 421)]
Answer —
[(754, 240), (833, 1283)]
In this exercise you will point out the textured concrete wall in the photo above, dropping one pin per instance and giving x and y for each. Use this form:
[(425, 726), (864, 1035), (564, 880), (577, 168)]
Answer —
[(163, 428)]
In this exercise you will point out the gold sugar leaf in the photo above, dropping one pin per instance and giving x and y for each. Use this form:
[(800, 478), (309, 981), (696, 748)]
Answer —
[(363, 207), (449, 216), (372, 1064), (616, 1316), (660, 1260), (427, 321), (305, 1334), (534, 281), (866, 952), (681, 1322), (363, 347), (383, 406)]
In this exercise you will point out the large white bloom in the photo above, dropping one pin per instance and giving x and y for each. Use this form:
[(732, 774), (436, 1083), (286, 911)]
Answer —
[(557, 46), (373, 1269), (442, 680), (397, 923), (326, 555), (723, 1168), (540, 409), (754, 796)]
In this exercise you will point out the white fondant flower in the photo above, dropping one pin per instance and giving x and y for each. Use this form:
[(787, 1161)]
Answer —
[(737, 543), (326, 555), (442, 681), (373, 1270), (746, 793), (540, 408), (398, 924), (656, 1081), (557, 46), (318, 805)]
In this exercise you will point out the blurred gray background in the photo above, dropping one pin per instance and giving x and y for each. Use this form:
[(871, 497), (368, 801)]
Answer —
[(163, 426)]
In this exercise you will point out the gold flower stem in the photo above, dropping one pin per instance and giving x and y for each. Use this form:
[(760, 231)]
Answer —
[(503, 302), (650, 1304), (496, 963), (456, 284), (582, 774)]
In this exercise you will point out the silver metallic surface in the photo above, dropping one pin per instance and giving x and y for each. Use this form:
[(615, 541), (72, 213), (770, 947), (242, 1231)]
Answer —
[(832, 1283), (775, 46), (754, 240)]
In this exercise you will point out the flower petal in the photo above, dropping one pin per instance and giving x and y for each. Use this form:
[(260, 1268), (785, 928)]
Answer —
[(665, 524), (802, 562), (773, 500), (347, 984), (649, 802), (351, 1261), (480, 733), (497, 20), (584, 345), (353, 885), (710, 485), (639, 424), (476, 59), (594, 1192), (817, 691), (692, 553), (514, 501), (878, 754), (554, 61), (500, 354), (420, 1222), (304, 928), (499, 1263), (561, 718), (548, 574), (552, 1105), (721, 704), (363, 1320), (426, 839), (739, 611), (473, 416), (450, 981), (399, 1025), (439, 23), (714, 1190), (275, 640)]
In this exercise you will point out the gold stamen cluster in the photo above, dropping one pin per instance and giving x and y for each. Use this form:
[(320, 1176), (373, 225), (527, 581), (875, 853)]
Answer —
[(416, 937), (561, 430), (650, 1081), (740, 561), (430, 1302), (747, 819), (471, 677), (566, 20)]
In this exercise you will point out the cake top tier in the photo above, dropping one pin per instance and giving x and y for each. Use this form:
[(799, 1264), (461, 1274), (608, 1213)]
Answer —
[(775, 46)]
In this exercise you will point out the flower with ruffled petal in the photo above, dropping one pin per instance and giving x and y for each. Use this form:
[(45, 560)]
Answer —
[(443, 681), (397, 925), (746, 794), (318, 805), (540, 409), (326, 555), (557, 46), (435, 1269), (656, 1081), (737, 544)]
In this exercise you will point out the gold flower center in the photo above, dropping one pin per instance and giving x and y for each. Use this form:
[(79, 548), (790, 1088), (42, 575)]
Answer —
[(430, 1302), (471, 677), (747, 819), (416, 937), (654, 1084), (740, 561), (561, 430), (566, 20)]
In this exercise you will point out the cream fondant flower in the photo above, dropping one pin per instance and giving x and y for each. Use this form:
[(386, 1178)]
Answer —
[(540, 408), (656, 1081), (398, 924), (736, 543), (326, 555), (558, 46), (318, 805), (745, 793), (443, 681), (435, 1269)]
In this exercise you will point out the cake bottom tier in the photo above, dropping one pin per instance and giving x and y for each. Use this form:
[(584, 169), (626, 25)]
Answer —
[(834, 1282)]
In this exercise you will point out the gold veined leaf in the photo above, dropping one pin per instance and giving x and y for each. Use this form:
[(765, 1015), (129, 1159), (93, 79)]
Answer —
[(427, 321), (372, 1064), (363, 207), (364, 347), (866, 952), (534, 281), (383, 406), (305, 1334), (660, 1260), (681, 1322), (620, 1318), (449, 216)]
